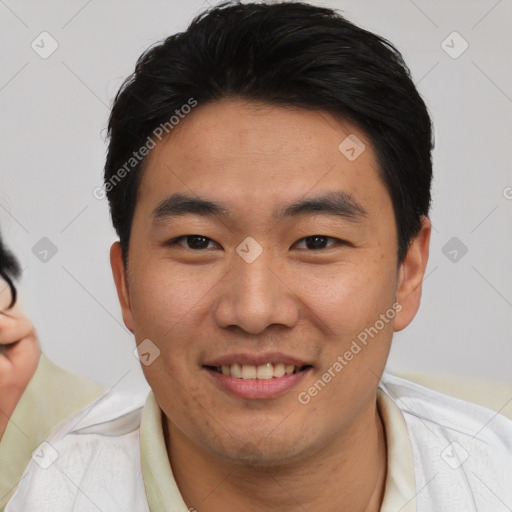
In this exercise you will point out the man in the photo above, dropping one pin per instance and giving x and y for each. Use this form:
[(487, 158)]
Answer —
[(35, 394), (269, 179)]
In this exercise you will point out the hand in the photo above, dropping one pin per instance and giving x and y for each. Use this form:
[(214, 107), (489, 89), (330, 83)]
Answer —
[(19, 356)]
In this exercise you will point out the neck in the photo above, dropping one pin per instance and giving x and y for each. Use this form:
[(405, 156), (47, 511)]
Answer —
[(349, 473)]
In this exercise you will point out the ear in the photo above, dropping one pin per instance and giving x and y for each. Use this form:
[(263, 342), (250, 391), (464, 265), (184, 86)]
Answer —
[(119, 274), (410, 276)]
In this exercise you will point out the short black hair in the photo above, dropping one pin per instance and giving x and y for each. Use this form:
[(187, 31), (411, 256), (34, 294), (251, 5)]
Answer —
[(9, 270), (289, 54)]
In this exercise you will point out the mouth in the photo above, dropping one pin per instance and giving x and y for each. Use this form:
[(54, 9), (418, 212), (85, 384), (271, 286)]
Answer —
[(254, 379), (265, 371)]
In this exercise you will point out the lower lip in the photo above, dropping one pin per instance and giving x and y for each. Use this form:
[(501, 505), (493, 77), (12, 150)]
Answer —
[(257, 389)]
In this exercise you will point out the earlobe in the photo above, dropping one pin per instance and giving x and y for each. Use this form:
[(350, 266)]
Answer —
[(121, 282), (411, 275)]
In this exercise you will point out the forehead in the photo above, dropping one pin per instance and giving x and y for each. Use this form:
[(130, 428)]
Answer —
[(253, 155)]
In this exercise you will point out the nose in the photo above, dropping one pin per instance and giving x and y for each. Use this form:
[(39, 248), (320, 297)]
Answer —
[(255, 296)]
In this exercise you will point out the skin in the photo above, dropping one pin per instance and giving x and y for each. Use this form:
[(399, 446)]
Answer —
[(196, 305), (19, 355)]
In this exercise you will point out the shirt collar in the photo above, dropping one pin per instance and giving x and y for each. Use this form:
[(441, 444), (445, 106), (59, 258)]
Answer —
[(400, 489), (161, 489)]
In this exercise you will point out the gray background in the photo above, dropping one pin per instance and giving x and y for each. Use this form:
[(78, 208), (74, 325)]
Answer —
[(53, 117)]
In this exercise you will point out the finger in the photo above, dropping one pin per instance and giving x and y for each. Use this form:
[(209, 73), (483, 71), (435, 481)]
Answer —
[(18, 364), (25, 348), (14, 328)]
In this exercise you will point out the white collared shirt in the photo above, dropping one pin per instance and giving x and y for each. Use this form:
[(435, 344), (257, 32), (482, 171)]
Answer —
[(444, 454)]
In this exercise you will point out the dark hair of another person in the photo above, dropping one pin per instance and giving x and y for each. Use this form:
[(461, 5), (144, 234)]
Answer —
[(285, 54), (9, 270)]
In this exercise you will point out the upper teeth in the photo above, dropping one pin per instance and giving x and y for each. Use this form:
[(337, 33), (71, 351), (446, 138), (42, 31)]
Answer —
[(263, 372)]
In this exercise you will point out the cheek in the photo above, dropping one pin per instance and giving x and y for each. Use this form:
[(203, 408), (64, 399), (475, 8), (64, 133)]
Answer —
[(348, 298), (166, 302), (170, 306), (165, 295)]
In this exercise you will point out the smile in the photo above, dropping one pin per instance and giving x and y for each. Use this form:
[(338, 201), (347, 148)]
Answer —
[(257, 381), (263, 372)]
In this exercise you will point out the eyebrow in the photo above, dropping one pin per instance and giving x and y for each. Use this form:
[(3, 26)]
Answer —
[(178, 205), (335, 203)]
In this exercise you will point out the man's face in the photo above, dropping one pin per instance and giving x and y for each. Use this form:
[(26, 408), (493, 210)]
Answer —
[(298, 292)]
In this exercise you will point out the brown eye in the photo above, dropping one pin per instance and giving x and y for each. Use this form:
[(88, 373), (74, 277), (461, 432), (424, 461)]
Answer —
[(196, 242), (316, 242)]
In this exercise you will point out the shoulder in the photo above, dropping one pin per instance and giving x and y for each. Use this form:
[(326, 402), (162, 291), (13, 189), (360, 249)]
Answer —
[(440, 411), (91, 460), (462, 451)]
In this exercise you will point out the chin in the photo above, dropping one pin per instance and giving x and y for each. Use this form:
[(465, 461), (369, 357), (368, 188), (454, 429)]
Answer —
[(260, 455)]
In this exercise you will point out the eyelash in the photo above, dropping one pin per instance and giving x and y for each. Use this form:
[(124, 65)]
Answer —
[(176, 241)]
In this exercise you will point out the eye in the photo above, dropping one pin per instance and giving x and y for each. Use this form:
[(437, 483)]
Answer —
[(196, 242), (316, 242)]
